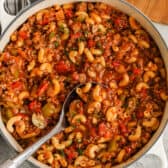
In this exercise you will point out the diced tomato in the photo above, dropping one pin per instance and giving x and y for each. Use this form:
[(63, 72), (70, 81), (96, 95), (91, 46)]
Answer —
[(143, 93), (6, 56), (121, 23), (108, 134), (71, 153), (76, 35), (93, 132), (137, 71), (23, 35), (42, 88), (62, 67), (18, 85), (117, 21), (68, 13), (75, 76), (139, 114), (128, 149), (91, 43), (91, 129), (32, 105), (123, 128), (115, 63), (21, 53), (35, 106), (132, 77), (45, 21), (103, 130)]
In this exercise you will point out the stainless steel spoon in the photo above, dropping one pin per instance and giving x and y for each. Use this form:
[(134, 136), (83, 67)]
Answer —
[(18, 160)]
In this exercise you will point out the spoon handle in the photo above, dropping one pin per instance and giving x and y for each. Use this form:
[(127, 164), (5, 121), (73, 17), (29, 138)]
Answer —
[(18, 160), (8, 164)]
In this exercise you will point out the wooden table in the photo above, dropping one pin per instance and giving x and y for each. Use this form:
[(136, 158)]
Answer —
[(157, 10)]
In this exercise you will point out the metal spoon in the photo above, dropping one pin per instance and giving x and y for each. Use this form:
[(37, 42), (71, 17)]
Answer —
[(18, 160)]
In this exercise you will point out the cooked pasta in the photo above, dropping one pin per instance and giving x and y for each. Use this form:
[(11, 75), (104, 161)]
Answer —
[(62, 46)]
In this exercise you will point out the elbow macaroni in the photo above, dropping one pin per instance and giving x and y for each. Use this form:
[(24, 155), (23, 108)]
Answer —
[(83, 43)]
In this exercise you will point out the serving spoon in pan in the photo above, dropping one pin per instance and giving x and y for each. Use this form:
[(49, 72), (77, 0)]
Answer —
[(18, 160)]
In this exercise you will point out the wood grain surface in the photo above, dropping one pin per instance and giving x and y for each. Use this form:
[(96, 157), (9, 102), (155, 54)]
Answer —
[(157, 10)]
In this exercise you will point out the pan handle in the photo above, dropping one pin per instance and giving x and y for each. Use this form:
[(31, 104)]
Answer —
[(5, 18)]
